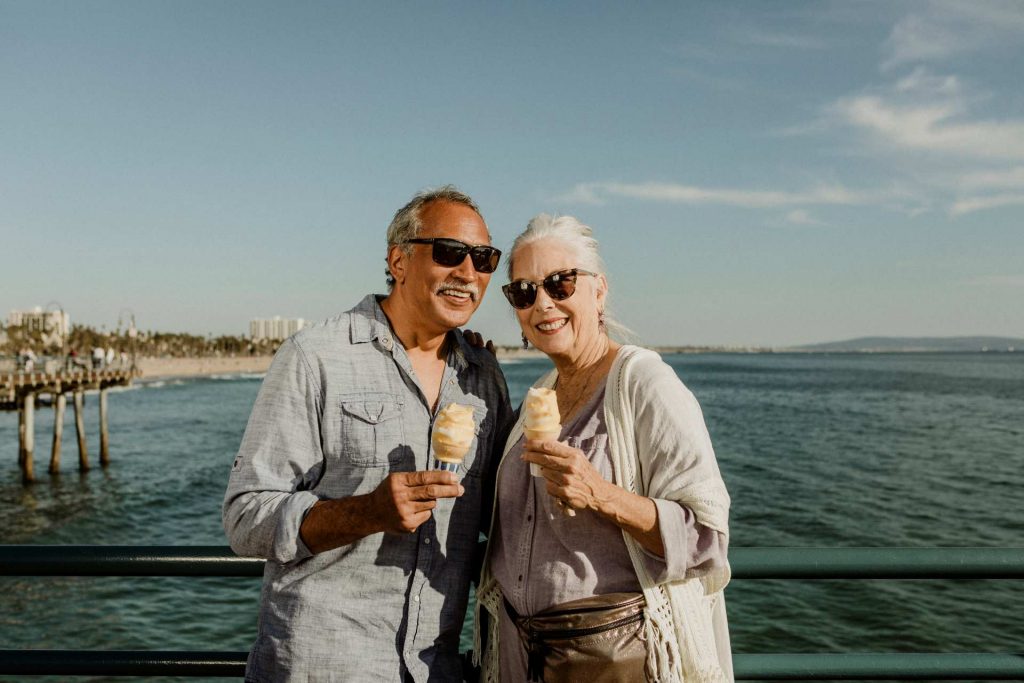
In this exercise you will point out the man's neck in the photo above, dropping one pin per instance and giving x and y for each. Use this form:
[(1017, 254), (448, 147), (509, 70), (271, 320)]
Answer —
[(417, 339)]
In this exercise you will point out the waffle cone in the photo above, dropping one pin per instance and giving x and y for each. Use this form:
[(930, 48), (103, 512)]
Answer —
[(449, 453), (542, 434)]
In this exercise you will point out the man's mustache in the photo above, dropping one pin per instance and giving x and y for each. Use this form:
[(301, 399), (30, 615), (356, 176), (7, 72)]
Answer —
[(459, 286)]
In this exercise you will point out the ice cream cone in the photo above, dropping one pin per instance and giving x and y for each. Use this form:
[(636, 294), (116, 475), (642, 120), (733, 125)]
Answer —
[(540, 435), (452, 436)]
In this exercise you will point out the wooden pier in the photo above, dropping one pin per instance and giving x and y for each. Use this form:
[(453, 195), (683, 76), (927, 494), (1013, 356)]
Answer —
[(21, 391)]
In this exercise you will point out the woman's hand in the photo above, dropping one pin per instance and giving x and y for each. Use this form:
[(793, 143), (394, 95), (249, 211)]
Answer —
[(574, 482), (476, 339), (571, 479)]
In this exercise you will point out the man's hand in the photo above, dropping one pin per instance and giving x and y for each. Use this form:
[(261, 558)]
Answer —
[(399, 505), (476, 339), (404, 500)]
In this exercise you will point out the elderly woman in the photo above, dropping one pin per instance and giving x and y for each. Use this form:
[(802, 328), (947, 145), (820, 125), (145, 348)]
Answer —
[(611, 565)]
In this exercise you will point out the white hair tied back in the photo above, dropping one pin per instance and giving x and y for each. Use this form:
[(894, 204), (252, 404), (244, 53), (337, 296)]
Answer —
[(579, 238)]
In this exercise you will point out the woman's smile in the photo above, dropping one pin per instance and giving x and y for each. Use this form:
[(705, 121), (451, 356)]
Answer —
[(552, 326)]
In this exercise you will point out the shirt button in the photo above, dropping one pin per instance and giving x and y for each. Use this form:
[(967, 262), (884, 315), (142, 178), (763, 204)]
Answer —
[(427, 541), (520, 577), (416, 598), (529, 517)]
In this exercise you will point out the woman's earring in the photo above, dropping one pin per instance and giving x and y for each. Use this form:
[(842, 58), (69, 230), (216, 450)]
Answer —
[(526, 342)]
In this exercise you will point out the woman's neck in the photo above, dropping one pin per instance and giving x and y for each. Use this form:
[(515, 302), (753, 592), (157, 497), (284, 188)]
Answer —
[(585, 362)]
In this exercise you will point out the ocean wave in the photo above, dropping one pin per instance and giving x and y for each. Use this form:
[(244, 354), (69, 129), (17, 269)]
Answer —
[(231, 377)]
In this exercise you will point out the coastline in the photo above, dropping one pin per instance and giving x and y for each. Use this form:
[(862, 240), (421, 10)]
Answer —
[(164, 368)]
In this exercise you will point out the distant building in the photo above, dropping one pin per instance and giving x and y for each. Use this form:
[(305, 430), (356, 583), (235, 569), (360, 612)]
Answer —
[(274, 329), (53, 325)]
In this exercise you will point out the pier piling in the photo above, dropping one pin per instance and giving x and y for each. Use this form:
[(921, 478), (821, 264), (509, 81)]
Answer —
[(83, 451), (21, 435), (59, 403), (104, 434), (28, 410), (20, 391)]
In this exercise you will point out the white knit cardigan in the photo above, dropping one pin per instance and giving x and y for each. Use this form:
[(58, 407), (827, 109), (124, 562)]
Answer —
[(660, 448)]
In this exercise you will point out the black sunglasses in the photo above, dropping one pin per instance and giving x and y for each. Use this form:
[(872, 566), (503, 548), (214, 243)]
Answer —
[(450, 253), (559, 286)]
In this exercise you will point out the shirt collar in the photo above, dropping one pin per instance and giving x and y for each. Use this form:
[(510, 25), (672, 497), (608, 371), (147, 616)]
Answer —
[(367, 320), (368, 323)]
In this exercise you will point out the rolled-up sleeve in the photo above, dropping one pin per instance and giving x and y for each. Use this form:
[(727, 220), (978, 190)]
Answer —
[(688, 544), (279, 459)]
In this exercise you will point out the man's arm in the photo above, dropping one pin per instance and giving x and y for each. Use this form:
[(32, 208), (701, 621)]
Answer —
[(269, 510), (279, 460)]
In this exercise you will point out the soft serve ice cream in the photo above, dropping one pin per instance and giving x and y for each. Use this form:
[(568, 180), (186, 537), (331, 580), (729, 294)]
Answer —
[(453, 434), (543, 422)]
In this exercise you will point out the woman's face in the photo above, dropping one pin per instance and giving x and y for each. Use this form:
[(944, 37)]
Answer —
[(565, 328)]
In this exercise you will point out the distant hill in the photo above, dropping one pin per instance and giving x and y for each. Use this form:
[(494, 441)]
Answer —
[(894, 344)]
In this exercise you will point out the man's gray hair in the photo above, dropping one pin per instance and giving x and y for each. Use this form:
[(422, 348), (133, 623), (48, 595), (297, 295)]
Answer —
[(580, 239), (406, 223)]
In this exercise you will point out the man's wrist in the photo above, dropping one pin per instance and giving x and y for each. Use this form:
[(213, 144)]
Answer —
[(330, 524)]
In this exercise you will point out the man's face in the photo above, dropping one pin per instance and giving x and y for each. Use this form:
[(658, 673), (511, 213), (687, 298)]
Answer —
[(444, 297)]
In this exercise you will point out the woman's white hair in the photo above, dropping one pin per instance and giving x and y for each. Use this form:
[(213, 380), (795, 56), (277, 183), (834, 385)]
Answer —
[(580, 239)]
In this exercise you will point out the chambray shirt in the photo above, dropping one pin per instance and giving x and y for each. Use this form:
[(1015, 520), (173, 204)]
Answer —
[(339, 409)]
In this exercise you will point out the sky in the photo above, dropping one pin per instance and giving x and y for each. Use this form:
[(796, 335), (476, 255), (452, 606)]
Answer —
[(757, 173)]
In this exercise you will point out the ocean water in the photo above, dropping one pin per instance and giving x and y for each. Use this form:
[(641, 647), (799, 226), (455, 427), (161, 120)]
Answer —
[(816, 449)]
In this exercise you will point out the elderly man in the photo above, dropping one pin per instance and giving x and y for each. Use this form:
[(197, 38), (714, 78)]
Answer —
[(370, 550)]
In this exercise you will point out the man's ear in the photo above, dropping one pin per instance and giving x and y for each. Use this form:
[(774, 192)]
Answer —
[(398, 262)]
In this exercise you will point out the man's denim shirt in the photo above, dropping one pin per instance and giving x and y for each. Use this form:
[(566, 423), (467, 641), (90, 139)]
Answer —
[(339, 409)]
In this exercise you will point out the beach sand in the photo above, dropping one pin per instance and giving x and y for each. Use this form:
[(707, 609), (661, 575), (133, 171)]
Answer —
[(153, 368)]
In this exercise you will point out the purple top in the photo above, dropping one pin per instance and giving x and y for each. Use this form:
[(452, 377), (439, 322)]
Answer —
[(542, 557)]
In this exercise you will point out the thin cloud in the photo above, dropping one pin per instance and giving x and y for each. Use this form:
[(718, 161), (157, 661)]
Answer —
[(922, 81), (1006, 178), (917, 38), (802, 217), (582, 193), (930, 128), (691, 194), (969, 205), (943, 29)]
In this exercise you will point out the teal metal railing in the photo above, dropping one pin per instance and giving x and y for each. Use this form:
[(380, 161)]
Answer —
[(747, 563)]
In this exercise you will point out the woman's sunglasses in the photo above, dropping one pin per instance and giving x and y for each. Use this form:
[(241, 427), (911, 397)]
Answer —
[(450, 253), (559, 286)]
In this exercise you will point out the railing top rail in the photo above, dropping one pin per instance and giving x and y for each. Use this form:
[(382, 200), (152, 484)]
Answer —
[(747, 563)]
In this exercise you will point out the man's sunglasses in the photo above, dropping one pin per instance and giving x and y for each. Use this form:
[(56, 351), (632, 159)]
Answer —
[(450, 253), (559, 286)]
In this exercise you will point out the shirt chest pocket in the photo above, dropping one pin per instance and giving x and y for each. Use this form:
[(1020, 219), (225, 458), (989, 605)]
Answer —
[(371, 429)]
